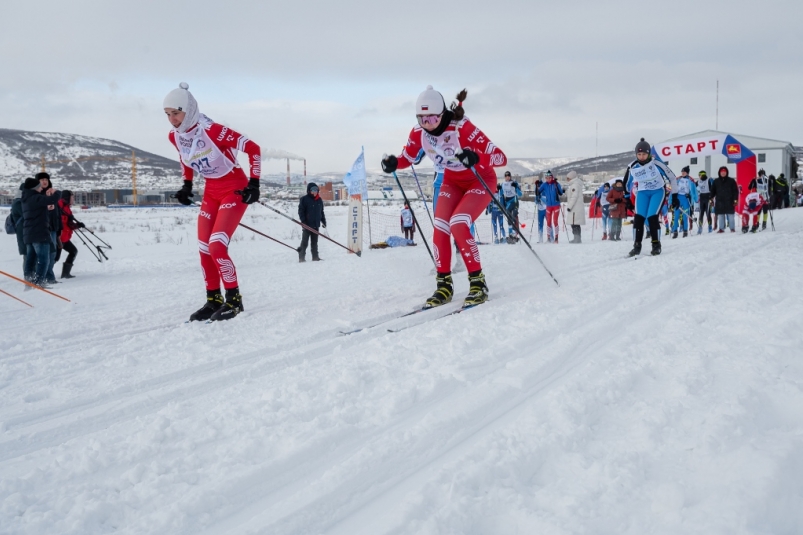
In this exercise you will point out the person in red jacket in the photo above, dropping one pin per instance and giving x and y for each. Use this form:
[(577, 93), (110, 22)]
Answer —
[(68, 225), (210, 149), (454, 145)]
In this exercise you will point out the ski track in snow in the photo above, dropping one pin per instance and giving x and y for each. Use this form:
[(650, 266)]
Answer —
[(661, 396)]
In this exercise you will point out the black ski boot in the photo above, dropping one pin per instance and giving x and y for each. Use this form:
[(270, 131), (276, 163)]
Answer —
[(301, 256), (754, 229), (477, 290), (65, 271), (443, 293), (656, 247), (229, 309), (674, 234), (636, 250), (744, 229), (685, 234), (213, 302), (763, 225)]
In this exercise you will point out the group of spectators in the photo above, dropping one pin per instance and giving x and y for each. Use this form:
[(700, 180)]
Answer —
[(44, 224)]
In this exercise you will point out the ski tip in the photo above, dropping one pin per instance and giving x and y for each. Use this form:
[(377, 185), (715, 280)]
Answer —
[(358, 253)]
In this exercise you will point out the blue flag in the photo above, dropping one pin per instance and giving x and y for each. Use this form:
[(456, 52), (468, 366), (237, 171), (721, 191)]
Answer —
[(355, 180)]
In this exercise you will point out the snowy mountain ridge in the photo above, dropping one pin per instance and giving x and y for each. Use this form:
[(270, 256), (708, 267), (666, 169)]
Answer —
[(82, 162)]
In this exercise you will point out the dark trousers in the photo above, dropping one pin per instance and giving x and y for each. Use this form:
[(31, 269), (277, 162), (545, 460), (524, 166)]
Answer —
[(72, 251), (705, 208), (409, 232), (312, 239)]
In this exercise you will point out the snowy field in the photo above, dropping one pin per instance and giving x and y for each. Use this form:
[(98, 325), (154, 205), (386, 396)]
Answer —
[(662, 395)]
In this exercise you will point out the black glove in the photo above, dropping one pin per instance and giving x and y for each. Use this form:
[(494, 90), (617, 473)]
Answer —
[(675, 201), (468, 158), (183, 195), (323, 224), (390, 164), (78, 224), (251, 192), (617, 201)]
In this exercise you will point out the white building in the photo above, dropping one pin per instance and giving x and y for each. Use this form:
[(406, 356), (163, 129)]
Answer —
[(773, 156)]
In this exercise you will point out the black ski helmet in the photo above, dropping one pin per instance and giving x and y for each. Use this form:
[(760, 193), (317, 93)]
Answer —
[(643, 146)]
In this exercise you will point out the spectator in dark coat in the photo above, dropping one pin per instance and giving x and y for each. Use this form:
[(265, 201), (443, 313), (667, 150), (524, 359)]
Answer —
[(19, 221), (780, 187), (36, 230), (725, 194), (55, 226), (310, 212)]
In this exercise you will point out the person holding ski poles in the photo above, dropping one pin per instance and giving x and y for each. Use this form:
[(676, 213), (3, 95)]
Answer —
[(687, 195), (497, 218), (552, 191), (753, 205), (69, 224), (210, 149), (649, 177), (704, 191), (604, 207), (511, 193), (540, 207), (454, 145)]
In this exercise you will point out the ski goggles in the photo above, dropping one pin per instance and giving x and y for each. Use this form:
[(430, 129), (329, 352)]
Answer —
[(428, 120), (313, 190)]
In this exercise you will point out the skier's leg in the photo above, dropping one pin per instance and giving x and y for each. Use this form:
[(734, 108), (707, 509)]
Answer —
[(468, 209), (206, 222), (229, 215), (448, 198)]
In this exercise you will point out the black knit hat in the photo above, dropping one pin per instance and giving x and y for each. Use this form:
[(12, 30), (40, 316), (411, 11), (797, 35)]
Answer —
[(31, 183), (685, 169), (66, 195), (40, 176), (643, 146)]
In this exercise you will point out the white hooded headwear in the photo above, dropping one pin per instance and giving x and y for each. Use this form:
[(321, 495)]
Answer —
[(429, 102), (181, 99)]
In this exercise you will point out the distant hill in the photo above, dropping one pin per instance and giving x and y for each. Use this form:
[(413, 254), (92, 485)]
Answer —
[(615, 164), (80, 162)]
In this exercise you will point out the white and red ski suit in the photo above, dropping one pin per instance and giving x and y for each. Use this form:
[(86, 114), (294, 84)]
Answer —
[(210, 149), (462, 198)]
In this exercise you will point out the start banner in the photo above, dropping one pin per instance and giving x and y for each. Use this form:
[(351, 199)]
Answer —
[(724, 144)]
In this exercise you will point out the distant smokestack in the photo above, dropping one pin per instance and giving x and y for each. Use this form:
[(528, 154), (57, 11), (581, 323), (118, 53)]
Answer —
[(288, 171)]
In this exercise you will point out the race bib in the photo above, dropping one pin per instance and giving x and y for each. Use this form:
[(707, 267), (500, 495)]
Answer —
[(508, 189), (648, 177)]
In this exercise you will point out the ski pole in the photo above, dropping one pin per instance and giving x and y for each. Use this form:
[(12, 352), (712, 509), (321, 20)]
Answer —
[(34, 286), (415, 219), (98, 237), (495, 200), (421, 192), (255, 231), (88, 247), (535, 214), (17, 298), (98, 247), (307, 227), (563, 216)]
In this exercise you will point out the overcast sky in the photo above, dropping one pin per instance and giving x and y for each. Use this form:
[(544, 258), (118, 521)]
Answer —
[(321, 79)]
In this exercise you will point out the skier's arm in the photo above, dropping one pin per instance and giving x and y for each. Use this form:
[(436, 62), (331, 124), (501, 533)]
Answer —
[(668, 174), (628, 180), (302, 211), (323, 216), (695, 196), (473, 138), (518, 190), (228, 140), (410, 154)]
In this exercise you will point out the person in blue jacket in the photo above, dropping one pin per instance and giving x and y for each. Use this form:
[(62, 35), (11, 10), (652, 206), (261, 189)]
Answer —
[(687, 196), (552, 191), (497, 218), (649, 177)]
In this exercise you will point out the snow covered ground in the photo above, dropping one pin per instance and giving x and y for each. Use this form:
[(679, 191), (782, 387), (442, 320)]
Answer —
[(662, 395)]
